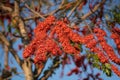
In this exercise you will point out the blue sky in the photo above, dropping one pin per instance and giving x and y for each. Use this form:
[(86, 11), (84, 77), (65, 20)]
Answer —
[(56, 76)]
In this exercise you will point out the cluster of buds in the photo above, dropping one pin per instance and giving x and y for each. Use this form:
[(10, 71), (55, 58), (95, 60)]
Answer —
[(41, 45), (105, 46), (115, 69), (91, 42), (116, 37), (53, 37)]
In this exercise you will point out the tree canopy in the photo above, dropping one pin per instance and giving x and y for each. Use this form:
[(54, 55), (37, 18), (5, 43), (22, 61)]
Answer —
[(80, 33)]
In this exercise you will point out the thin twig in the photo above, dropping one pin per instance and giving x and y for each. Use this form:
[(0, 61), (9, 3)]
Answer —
[(6, 55), (52, 68), (93, 10), (31, 17), (88, 27), (39, 70), (13, 75), (78, 3), (21, 24), (5, 8), (33, 10), (7, 43), (95, 38), (61, 6)]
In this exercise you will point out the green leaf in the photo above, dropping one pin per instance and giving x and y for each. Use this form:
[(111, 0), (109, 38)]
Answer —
[(95, 57), (88, 56), (106, 69), (107, 65), (108, 72), (96, 65), (9, 28), (80, 47), (16, 31)]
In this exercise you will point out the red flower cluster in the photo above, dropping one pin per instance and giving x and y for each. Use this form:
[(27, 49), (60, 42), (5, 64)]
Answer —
[(41, 45), (91, 43), (115, 69), (99, 32), (87, 39), (53, 37), (106, 47), (116, 37), (65, 35), (117, 30), (48, 35)]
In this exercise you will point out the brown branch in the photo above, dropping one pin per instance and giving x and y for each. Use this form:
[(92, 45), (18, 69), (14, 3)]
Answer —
[(27, 68), (31, 17), (6, 55), (38, 70), (78, 3), (7, 43), (8, 78), (45, 77), (56, 63), (36, 13), (39, 5), (61, 6), (5, 8), (51, 13), (93, 10), (3, 39), (21, 25), (26, 65), (33, 11), (89, 28)]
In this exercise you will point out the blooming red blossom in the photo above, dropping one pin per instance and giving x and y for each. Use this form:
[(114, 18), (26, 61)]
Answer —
[(116, 38), (115, 69), (45, 41), (53, 37), (105, 46)]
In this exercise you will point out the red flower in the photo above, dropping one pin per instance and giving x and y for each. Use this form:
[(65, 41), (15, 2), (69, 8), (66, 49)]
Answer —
[(53, 37), (115, 69)]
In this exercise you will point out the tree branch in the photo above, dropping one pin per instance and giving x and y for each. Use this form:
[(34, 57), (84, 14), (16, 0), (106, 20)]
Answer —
[(21, 25), (27, 65), (36, 13), (74, 8), (5, 8), (93, 10), (61, 6), (13, 76), (38, 70), (56, 63), (7, 43), (6, 55)]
